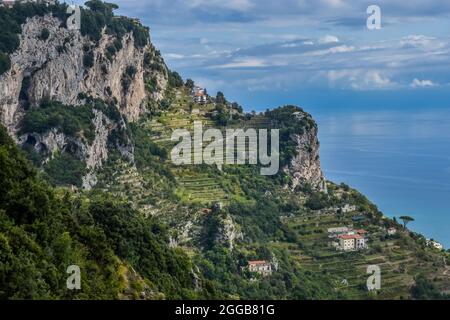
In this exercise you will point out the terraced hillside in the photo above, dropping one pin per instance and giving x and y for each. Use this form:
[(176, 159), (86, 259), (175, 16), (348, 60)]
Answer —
[(104, 193), (307, 248)]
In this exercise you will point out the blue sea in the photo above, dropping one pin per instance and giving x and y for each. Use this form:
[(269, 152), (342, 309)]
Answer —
[(399, 159)]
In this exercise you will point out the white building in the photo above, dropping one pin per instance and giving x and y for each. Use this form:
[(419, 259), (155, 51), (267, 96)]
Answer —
[(350, 242), (200, 95), (338, 230), (348, 208), (262, 267), (391, 231), (435, 244)]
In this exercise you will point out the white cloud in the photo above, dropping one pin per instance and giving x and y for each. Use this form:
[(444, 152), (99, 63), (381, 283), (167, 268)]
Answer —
[(290, 45), (243, 63), (416, 83), (328, 39), (375, 79), (421, 41), (238, 5), (174, 56), (333, 50), (360, 79)]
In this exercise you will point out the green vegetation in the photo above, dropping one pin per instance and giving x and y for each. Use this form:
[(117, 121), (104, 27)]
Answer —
[(43, 231), (100, 14), (220, 218), (65, 169), (88, 58), (72, 121), (426, 290), (128, 77), (5, 63), (44, 34), (175, 80), (282, 118), (406, 220), (113, 49)]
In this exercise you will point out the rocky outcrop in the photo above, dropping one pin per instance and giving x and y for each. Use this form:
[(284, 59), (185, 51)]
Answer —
[(97, 152), (52, 141), (305, 166), (55, 69), (228, 232)]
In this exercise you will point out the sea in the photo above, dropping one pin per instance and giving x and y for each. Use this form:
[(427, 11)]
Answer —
[(400, 160)]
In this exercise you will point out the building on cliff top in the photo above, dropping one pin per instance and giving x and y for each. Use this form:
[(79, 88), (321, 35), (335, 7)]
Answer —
[(200, 95)]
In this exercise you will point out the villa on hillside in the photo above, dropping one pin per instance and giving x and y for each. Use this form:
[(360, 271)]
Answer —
[(391, 231), (200, 95), (352, 242), (335, 232), (348, 208), (261, 267), (434, 244)]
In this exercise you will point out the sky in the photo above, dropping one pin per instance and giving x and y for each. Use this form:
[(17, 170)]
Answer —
[(313, 53)]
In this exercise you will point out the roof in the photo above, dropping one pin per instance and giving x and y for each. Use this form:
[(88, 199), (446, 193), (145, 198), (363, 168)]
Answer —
[(361, 231), (257, 262), (350, 236)]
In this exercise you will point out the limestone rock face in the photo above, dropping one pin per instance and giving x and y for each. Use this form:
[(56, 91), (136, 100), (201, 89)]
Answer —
[(305, 166), (54, 68), (97, 152), (229, 232)]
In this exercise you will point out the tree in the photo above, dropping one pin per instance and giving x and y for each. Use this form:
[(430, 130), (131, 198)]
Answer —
[(220, 98), (406, 220), (175, 80), (190, 84), (5, 63)]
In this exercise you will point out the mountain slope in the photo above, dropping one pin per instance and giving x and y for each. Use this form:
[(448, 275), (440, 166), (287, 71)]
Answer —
[(94, 110)]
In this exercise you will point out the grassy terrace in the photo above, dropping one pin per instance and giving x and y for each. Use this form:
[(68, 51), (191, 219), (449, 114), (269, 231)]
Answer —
[(198, 186), (398, 266)]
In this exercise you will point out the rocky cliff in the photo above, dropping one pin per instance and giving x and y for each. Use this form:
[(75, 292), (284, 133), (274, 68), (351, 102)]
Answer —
[(72, 68), (305, 166), (67, 67), (55, 68)]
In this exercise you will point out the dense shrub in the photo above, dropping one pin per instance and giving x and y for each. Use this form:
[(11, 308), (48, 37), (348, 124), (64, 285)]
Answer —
[(44, 34), (65, 169), (72, 121), (5, 63), (42, 232), (175, 80), (100, 14)]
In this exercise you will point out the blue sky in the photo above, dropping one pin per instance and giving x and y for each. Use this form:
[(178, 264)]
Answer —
[(313, 53)]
